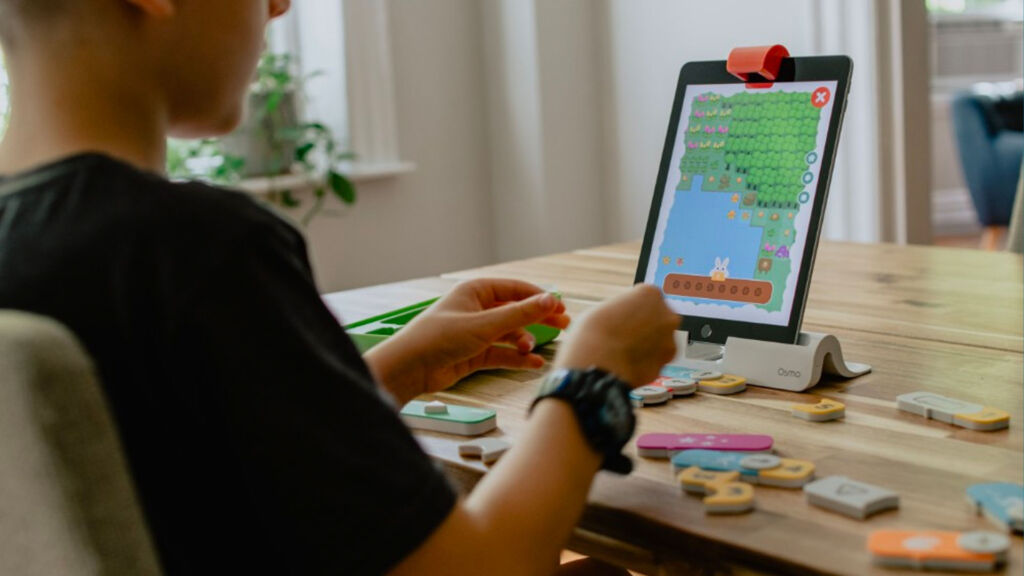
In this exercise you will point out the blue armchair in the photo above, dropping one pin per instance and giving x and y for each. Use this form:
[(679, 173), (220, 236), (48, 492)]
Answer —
[(990, 137)]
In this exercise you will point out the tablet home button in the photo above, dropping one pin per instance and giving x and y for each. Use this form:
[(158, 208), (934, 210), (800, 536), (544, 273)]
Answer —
[(705, 332)]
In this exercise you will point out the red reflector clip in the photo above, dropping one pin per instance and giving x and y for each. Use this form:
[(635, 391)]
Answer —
[(761, 60)]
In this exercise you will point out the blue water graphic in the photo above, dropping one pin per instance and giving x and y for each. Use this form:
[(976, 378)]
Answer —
[(699, 230)]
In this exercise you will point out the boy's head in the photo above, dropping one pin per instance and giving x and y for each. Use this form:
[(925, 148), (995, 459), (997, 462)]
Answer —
[(195, 58)]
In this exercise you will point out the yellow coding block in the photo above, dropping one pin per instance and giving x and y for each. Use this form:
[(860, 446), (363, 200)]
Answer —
[(727, 384), (790, 473), (729, 498), (986, 419), (820, 412), (695, 479)]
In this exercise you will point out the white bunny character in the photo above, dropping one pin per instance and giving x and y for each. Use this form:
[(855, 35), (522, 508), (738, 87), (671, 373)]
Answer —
[(721, 270)]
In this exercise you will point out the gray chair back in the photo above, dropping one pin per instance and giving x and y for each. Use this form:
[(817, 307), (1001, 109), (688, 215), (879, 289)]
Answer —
[(67, 502)]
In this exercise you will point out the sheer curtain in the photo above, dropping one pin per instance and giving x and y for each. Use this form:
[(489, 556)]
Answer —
[(313, 32), (346, 46), (5, 102), (579, 93), (881, 186)]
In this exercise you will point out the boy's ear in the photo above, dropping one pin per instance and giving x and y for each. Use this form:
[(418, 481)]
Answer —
[(279, 7), (156, 8)]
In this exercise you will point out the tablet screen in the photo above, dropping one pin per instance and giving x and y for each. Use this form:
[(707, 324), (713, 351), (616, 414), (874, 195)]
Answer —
[(736, 208)]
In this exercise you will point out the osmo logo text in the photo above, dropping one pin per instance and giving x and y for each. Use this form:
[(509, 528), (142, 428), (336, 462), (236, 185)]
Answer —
[(789, 373)]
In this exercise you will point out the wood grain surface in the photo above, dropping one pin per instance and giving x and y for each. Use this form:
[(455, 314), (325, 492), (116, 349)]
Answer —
[(943, 320)]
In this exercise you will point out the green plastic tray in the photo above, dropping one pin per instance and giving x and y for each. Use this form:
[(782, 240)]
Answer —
[(372, 331)]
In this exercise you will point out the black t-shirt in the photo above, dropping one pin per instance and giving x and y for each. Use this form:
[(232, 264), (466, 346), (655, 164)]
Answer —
[(257, 438)]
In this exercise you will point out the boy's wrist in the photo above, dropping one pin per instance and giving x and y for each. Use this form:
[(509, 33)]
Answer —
[(396, 371), (589, 351), (603, 411), (545, 408)]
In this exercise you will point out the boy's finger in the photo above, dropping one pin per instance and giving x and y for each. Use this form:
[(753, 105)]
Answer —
[(491, 292), (560, 321), (522, 340), (560, 309), (496, 322), (509, 359), (555, 320)]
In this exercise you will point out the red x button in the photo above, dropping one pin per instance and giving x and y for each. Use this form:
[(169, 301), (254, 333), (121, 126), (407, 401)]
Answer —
[(821, 97)]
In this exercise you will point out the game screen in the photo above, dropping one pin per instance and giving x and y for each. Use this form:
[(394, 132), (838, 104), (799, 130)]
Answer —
[(737, 202)]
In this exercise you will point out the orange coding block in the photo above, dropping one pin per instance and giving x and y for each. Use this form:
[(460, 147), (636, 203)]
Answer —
[(934, 549)]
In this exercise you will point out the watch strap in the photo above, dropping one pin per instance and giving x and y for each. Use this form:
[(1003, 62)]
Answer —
[(603, 411)]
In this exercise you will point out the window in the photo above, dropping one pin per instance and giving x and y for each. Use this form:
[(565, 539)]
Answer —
[(975, 41), (304, 76), (5, 100), (319, 50), (347, 44), (319, 53), (1009, 8)]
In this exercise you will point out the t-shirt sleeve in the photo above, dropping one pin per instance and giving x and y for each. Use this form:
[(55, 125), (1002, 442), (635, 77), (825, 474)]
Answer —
[(340, 485)]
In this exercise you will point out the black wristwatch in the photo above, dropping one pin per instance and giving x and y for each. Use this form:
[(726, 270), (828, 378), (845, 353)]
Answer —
[(601, 403)]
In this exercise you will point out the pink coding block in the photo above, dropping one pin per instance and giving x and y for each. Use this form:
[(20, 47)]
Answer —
[(666, 445)]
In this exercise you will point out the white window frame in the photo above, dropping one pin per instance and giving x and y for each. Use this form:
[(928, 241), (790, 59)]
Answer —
[(5, 101)]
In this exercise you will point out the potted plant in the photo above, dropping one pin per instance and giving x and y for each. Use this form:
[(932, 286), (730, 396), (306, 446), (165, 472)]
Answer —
[(272, 141), (268, 137)]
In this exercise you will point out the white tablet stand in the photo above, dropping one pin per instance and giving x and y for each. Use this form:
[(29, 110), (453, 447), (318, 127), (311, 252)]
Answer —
[(794, 367)]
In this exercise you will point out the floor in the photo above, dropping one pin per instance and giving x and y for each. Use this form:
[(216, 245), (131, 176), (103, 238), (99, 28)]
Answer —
[(973, 242), (978, 241)]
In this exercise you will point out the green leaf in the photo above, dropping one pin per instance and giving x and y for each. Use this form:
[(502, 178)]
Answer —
[(303, 151), (273, 102), (230, 169), (342, 187), (288, 200), (291, 133)]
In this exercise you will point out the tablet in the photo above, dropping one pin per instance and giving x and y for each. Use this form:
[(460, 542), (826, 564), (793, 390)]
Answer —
[(741, 192)]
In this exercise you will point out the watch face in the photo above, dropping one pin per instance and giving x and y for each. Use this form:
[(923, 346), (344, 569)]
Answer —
[(616, 414)]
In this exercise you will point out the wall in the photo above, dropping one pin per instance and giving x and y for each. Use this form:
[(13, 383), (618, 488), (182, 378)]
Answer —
[(579, 94), (436, 218), (538, 126), (647, 42), (544, 111)]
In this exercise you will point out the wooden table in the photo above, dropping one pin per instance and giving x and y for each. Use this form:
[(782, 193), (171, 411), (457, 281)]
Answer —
[(937, 319)]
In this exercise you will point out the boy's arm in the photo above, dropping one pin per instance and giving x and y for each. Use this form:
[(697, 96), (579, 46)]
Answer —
[(337, 482), (522, 513), (520, 516), (458, 335)]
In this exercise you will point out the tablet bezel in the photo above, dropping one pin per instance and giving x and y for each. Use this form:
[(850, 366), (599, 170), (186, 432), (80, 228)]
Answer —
[(806, 69)]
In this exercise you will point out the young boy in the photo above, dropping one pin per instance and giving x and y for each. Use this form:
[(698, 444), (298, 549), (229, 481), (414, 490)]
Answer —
[(259, 440)]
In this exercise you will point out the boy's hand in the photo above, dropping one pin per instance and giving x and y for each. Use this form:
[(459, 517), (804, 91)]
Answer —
[(630, 336), (458, 335)]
